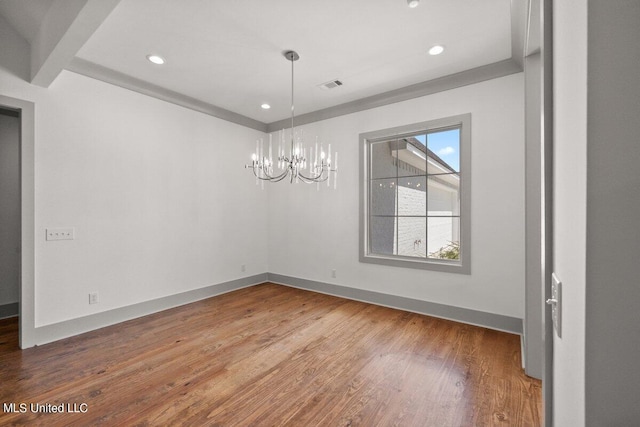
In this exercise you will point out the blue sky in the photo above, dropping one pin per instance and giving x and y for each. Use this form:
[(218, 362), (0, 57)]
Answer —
[(446, 144)]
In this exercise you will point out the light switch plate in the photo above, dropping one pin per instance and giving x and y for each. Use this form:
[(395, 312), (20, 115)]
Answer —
[(556, 309), (67, 233)]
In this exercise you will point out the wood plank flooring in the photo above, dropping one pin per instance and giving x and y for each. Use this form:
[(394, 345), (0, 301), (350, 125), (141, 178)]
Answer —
[(270, 355)]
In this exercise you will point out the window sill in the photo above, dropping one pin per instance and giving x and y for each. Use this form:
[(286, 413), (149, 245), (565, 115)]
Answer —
[(407, 262)]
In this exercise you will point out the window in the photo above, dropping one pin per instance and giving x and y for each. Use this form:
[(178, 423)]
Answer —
[(415, 195)]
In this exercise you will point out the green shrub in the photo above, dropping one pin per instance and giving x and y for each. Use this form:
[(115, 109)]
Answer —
[(450, 251)]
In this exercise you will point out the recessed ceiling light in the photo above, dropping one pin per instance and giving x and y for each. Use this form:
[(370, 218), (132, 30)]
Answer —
[(265, 106), (436, 50), (156, 59), (413, 3)]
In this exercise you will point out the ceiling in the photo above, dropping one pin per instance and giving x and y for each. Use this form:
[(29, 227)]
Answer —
[(228, 53)]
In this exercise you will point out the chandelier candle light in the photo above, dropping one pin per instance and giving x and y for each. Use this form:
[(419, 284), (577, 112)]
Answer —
[(318, 168)]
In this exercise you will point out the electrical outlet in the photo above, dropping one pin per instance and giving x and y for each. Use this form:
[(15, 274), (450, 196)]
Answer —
[(93, 298), (556, 304), (67, 233), (243, 268), (333, 274)]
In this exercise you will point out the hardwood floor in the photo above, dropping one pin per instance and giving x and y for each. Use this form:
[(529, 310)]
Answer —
[(272, 355)]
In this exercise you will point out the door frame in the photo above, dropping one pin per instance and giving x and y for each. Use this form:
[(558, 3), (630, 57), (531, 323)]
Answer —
[(538, 328), (546, 18)]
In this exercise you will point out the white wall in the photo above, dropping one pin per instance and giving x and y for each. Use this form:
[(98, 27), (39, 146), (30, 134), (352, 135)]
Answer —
[(311, 232), (569, 205), (9, 208), (156, 192)]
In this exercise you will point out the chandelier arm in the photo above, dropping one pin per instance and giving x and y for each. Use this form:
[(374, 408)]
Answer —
[(308, 180), (268, 177), (273, 179), (278, 178), (257, 175)]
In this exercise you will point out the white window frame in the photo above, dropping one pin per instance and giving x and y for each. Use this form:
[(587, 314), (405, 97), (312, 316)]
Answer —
[(461, 266)]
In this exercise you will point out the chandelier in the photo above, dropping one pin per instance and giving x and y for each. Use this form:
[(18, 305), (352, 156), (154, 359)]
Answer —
[(295, 165)]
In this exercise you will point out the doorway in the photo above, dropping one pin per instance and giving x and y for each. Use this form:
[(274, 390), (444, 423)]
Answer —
[(9, 213), (24, 112)]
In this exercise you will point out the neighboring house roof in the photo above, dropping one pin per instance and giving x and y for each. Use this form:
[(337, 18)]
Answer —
[(430, 154)]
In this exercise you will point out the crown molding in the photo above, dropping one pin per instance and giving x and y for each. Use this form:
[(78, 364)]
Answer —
[(441, 84), (98, 72)]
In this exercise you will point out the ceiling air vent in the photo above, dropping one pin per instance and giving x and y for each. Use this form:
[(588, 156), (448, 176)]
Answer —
[(332, 84)]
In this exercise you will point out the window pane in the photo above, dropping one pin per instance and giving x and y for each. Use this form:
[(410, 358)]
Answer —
[(383, 163), (383, 197), (382, 235), (444, 195), (412, 156), (412, 196), (444, 238), (412, 237), (444, 151)]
